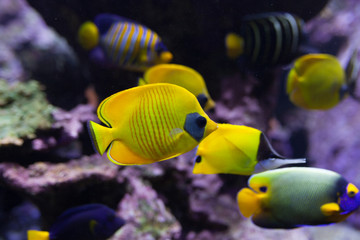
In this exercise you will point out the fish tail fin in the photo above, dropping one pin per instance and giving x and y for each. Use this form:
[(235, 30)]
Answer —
[(248, 201), (272, 163), (166, 57), (141, 82), (234, 45), (101, 136), (38, 235), (88, 35)]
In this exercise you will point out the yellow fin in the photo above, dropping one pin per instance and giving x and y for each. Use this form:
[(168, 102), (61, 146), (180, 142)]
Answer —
[(329, 209), (234, 45), (166, 57), (88, 35), (141, 82), (143, 57), (120, 154), (249, 202), (92, 225), (101, 136), (38, 235), (176, 133)]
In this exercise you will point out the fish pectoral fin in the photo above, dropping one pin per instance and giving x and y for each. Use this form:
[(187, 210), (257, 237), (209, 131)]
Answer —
[(121, 154), (38, 235), (141, 82), (329, 209), (176, 133), (249, 202), (143, 57), (92, 225)]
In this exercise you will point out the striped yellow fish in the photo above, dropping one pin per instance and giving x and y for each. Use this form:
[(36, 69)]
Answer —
[(149, 123), (122, 42), (183, 76)]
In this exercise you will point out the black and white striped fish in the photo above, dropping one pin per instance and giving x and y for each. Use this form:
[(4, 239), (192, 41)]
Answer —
[(123, 42), (267, 39)]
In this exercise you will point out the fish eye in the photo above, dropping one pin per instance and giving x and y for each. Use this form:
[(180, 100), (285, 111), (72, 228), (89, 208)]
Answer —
[(263, 189), (351, 194), (198, 159), (201, 122)]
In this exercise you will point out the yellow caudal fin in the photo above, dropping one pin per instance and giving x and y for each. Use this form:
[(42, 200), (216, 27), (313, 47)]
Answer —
[(248, 202), (120, 154), (101, 136), (37, 235), (141, 82)]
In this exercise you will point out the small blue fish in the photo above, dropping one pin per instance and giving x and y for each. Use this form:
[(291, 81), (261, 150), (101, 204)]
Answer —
[(86, 222), (121, 42)]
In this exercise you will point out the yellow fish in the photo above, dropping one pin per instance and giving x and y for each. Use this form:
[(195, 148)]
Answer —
[(182, 76), (149, 123), (317, 81), (298, 196), (234, 149)]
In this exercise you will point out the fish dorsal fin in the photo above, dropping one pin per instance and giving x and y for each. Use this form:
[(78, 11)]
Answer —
[(249, 202), (114, 109), (105, 20), (330, 209)]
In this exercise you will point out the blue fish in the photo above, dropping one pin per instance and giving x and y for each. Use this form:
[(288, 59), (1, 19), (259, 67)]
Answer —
[(86, 222), (122, 42)]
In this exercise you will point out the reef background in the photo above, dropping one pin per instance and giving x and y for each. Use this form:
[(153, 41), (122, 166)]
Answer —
[(47, 163)]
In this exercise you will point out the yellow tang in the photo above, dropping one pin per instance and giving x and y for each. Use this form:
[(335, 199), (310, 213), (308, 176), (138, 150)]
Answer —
[(234, 149), (317, 81), (149, 123), (182, 76)]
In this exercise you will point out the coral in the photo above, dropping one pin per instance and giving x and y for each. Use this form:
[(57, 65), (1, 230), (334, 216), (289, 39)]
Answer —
[(146, 214), (29, 48), (24, 109)]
